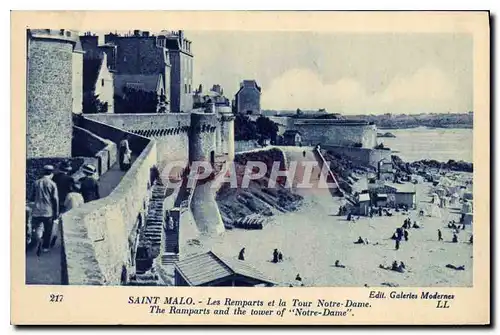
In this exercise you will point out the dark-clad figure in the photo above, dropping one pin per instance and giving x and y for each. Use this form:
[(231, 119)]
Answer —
[(470, 239), (280, 257), (397, 244), (338, 265), (298, 278), (275, 256), (63, 182), (455, 238), (399, 233), (380, 211), (360, 241), (45, 209), (406, 235), (440, 235), (89, 185), (241, 256)]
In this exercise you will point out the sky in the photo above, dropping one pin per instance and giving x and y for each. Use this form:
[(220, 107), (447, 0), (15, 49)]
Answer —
[(344, 73)]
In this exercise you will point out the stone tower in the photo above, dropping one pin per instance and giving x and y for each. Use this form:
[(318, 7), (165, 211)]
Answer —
[(202, 147), (50, 92)]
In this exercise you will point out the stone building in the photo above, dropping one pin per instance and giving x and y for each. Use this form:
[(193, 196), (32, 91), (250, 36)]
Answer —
[(97, 77), (139, 59), (214, 96), (181, 60), (292, 137), (54, 91), (247, 99)]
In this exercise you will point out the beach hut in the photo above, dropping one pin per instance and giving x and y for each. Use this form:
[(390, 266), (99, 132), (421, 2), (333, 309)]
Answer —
[(381, 200), (209, 269), (364, 204), (402, 194)]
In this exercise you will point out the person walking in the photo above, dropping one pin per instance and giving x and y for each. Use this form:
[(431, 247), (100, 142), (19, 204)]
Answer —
[(63, 182), (124, 153), (397, 244), (46, 209), (90, 186), (440, 235)]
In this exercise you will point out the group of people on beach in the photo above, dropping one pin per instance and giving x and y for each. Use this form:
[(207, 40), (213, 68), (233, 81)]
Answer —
[(277, 256), (401, 267), (456, 231), (55, 193), (402, 232)]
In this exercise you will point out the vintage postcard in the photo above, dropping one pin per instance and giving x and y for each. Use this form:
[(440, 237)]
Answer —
[(250, 168)]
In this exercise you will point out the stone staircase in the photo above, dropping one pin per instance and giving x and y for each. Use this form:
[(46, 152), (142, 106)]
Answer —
[(145, 279), (151, 239)]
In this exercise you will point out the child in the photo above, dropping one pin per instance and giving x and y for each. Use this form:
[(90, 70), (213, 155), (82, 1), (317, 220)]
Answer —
[(74, 198)]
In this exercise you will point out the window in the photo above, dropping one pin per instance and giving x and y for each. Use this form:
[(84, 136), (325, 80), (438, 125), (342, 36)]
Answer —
[(102, 82)]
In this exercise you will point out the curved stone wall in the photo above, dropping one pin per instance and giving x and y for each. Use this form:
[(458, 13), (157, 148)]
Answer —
[(202, 141), (169, 130), (336, 133), (96, 247)]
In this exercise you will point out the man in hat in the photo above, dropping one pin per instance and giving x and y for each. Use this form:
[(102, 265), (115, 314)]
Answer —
[(63, 182), (89, 185), (45, 208)]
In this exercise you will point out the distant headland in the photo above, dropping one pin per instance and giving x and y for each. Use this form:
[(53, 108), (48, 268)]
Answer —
[(389, 120)]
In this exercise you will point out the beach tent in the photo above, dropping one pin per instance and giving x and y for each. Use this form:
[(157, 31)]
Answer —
[(434, 211), (435, 199)]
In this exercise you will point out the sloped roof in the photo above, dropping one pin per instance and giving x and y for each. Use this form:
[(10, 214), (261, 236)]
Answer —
[(208, 267), (402, 188), (143, 82), (364, 197)]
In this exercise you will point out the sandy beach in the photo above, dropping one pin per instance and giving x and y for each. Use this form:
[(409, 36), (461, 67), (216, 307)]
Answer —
[(313, 237)]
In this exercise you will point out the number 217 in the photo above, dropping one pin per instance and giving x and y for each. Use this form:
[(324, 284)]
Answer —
[(56, 297)]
